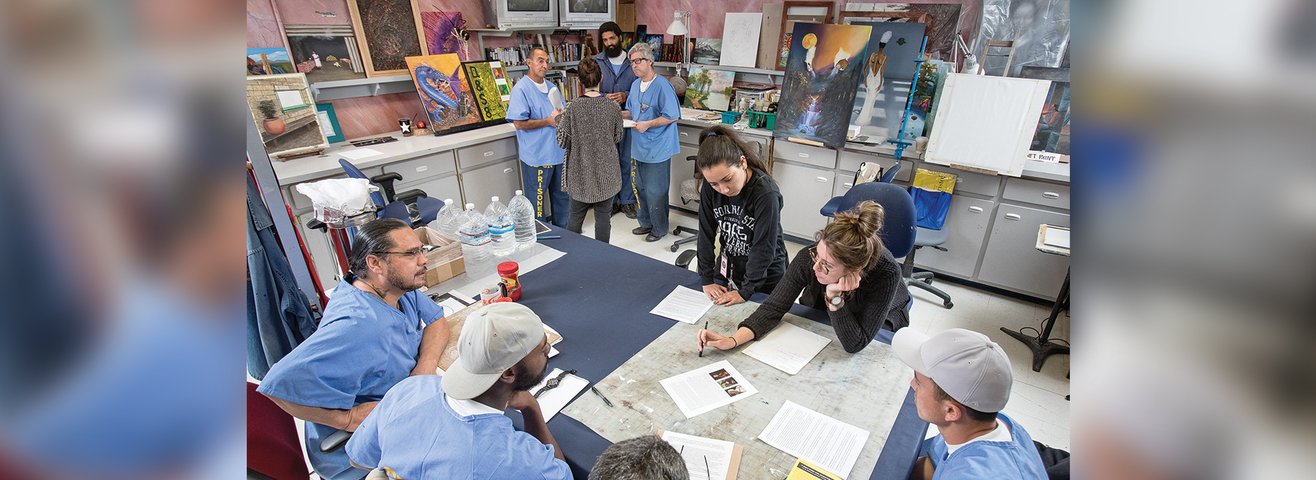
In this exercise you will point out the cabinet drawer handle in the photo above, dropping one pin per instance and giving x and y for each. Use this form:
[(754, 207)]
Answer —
[(1012, 216), (975, 209), (1051, 195), (803, 155), (507, 170), (848, 185), (821, 179), (685, 134), (422, 168), (489, 153)]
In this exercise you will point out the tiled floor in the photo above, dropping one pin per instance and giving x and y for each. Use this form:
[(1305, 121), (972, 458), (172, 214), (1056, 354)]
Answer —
[(1037, 399)]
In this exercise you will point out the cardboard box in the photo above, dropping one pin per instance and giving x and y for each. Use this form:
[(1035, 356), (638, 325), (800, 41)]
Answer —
[(445, 261)]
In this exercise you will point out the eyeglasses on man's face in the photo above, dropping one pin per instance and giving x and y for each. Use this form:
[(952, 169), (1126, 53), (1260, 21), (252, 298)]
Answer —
[(637, 61), (410, 254)]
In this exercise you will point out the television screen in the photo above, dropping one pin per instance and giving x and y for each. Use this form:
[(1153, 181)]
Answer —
[(527, 5), (588, 6)]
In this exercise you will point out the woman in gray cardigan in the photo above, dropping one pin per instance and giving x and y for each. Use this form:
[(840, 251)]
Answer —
[(588, 130)]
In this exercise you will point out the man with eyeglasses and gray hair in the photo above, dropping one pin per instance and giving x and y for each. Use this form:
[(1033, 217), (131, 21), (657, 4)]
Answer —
[(376, 331), (652, 104)]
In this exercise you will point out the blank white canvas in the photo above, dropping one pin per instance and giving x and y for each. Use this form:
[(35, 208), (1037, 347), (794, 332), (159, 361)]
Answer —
[(740, 39), (290, 98), (986, 122)]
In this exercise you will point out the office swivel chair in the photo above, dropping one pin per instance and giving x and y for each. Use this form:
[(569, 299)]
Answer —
[(689, 194), (412, 206)]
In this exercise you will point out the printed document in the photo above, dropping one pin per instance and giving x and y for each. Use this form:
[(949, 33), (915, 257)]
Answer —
[(787, 348), (704, 389), (824, 441), (705, 458), (683, 305)]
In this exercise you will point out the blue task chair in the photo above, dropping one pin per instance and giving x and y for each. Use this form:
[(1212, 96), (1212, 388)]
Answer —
[(412, 206), (899, 233)]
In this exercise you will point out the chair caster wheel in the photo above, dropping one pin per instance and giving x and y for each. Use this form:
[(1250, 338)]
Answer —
[(673, 248)]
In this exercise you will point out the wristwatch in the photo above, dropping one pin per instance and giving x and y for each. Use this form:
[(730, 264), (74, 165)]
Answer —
[(837, 301)]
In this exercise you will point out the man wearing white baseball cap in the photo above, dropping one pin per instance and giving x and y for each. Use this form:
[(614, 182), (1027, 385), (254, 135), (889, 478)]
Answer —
[(961, 382), (453, 426)]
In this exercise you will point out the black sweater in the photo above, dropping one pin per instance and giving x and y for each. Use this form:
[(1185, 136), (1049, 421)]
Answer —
[(750, 226), (879, 301)]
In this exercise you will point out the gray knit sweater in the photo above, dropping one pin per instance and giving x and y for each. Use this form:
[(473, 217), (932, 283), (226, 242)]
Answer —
[(589, 130)]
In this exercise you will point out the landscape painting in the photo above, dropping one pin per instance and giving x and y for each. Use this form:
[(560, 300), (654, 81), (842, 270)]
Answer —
[(709, 89), (823, 71)]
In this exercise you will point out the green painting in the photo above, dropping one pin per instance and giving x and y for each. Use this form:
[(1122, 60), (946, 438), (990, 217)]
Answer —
[(484, 85)]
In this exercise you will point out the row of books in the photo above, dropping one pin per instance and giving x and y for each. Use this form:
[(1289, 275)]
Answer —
[(514, 56)]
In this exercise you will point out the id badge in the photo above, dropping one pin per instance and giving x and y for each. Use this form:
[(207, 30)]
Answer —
[(724, 270)]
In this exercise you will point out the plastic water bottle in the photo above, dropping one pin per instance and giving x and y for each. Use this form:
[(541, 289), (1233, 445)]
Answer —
[(500, 228), (523, 216), (449, 220), (474, 235)]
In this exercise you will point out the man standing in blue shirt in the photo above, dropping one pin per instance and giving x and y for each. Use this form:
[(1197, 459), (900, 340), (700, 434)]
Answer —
[(961, 383), (616, 84), (454, 427), (534, 108), (652, 104), (377, 329)]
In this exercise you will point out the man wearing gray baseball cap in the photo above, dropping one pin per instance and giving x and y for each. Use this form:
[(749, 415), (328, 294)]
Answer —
[(961, 383), (453, 426)]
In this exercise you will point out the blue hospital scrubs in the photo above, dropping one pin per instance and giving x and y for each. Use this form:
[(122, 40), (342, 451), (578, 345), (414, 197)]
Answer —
[(416, 433), (1017, 458), (362, 348), (653, 150), (541, 156)]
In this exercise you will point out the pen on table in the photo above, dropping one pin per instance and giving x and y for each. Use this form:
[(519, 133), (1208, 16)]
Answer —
[(549, 237), (600, 394), (701, 340)]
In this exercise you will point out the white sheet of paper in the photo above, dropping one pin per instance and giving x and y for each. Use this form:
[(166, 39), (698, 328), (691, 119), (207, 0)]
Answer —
[(1056, 237), (552, 352), (787, 348), (822, 440), (627, 123), (695, 450), (360, 153), (554, 400), (704, 389), (683, 305)]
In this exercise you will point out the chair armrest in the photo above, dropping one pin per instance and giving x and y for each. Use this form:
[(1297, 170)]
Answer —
[(683, 260), (385, 182), (335, 440)]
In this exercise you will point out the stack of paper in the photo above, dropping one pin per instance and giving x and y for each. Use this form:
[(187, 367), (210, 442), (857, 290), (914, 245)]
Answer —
[(683, 305), (824, 441), (706, 458), (787, 348)]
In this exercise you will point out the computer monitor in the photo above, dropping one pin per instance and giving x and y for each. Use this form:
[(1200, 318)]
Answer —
[(587, 14)]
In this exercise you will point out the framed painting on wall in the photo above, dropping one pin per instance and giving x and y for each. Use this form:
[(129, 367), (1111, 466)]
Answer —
[(823, 73), (325, 53), (388, 31), (285, 114), (879, 104), (444, 92), (799, 11)]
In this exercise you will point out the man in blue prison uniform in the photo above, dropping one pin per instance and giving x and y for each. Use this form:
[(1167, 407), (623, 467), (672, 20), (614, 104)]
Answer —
[(652, 104), (377, 329), (616, 85), (534, 106), (454, 427), (961, 383)]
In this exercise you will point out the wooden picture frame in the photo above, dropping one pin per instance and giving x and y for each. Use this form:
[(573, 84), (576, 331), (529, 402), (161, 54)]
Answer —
[(384, 34), (849, 17), (788, 20)]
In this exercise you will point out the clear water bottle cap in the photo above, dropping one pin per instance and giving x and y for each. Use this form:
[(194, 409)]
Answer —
[(495, 199), (518, 192), (470, 206)]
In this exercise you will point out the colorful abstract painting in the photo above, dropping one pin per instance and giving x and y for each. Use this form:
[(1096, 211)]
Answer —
[(443, 33), (444, 92), (387, 32), (655, 41), (488, 98), (709, 89), (888, 74), (823, 71)]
